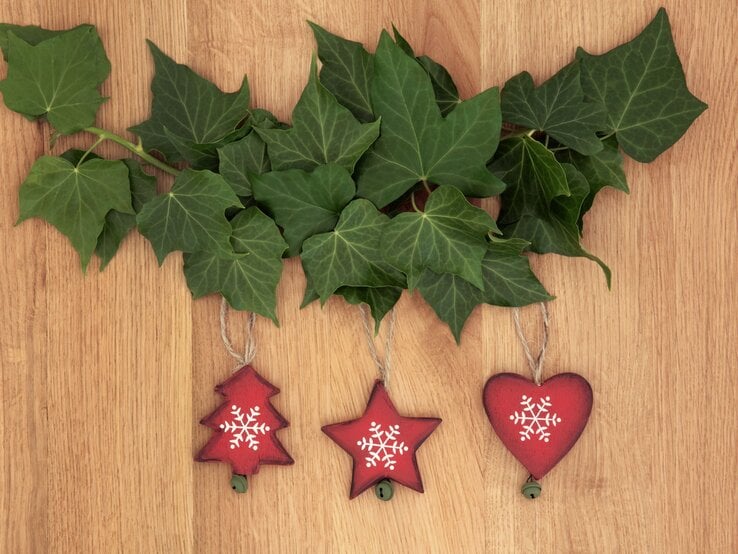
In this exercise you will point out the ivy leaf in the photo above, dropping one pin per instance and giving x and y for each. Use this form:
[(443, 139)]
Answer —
[(240, 160), (248, 278), (379, 299), (303, 203), (188, 110), (444, 88), (557, 107), (448, 237), (347, 71), (76, 199), (417, 143), (604, 169), (190, 217), (539, 204), (508, 281), (350, 255), (117, 224), (641, 84), (323, 132), (57, 78)]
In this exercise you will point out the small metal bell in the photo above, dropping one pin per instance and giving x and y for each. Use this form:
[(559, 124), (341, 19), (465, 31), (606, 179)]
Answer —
[(239, 483), (384, 490), (531, 489)]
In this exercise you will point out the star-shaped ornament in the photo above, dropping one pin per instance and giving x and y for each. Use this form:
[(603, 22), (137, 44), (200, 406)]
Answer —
[(382, 443)]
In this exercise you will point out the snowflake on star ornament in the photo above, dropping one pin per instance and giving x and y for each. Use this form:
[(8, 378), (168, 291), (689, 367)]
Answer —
[(383, 445), (244, 427)]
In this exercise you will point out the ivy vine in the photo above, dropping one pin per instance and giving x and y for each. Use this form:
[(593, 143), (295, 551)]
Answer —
[(373, 182)]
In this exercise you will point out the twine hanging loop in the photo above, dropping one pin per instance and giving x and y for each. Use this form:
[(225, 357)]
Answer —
[(383, 367), (250, 348), (534, 363)]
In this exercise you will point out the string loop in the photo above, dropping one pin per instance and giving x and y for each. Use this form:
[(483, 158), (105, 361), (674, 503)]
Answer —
[(534, 363), (250, 348), (382, 367)]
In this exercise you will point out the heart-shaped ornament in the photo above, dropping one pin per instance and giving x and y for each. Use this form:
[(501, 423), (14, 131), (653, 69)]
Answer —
[(538, 423)]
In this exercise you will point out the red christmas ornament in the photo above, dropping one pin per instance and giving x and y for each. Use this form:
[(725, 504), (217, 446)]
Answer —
[(539, 424), (245, 425), (382, 443)]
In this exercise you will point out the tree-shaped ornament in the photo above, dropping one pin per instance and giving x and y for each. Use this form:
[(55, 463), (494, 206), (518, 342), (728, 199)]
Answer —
[(382, 443), (537, 421), (245, 424)]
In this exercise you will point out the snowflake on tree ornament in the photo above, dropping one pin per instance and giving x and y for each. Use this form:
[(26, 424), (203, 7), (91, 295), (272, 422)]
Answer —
[(245, 431), (244, 427), (535, 418), (382, 445)]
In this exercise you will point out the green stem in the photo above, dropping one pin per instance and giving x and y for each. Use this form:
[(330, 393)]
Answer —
[(135, 148), (412, 201), (427, 186), (90, 149)]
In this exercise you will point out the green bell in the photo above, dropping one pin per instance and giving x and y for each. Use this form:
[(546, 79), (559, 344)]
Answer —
[(531, 489), (384, 490), (239, 483)]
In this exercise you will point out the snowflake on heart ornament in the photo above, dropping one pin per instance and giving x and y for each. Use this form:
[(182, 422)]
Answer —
[(382, 443), (538, 424), (245, 425)]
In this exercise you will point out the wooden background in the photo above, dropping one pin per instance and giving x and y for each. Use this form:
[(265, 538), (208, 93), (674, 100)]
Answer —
[(105, 376)]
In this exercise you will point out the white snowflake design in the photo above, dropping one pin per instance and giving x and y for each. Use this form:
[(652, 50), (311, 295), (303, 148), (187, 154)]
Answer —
[(382, 446), (536, 419), (245, 427)]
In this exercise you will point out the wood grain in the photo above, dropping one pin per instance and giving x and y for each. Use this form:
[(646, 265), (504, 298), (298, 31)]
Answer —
[(104, 376)]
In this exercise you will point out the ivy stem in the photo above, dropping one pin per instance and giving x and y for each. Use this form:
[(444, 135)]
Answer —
[(135, 148), (412, 201), (90, 149), (427, 186)]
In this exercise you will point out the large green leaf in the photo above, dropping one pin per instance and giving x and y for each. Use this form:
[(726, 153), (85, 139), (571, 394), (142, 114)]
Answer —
[(540, 204), (76, 198), (57, 78), (641, 84), (248, 278), (346, 72), (117, 224), (444, 88), (323, 132), (188, 112), (604, 169), (449, 236), (556, 107), (417, 143), (303, 203), (190, 217), (350, 255), (508, 281)]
